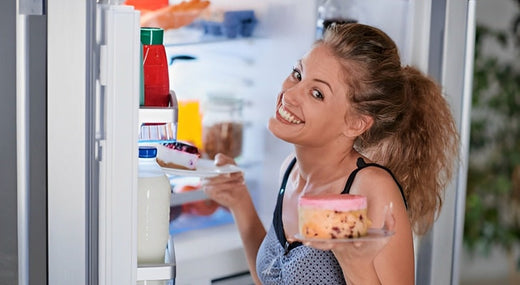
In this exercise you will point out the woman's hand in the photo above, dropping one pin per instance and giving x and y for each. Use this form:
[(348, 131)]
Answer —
[(226, 189)]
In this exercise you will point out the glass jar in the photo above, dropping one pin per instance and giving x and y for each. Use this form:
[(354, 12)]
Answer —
[(222, 126)]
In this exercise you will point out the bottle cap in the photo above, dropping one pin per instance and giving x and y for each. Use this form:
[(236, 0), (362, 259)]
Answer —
[(152, 36), (147, 152)]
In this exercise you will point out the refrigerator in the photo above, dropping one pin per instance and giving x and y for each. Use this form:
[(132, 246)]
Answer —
[(71, 109)]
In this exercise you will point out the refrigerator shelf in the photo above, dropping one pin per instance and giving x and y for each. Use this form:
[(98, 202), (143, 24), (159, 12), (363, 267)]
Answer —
[(156, 272), (165, 271), (178, 199), (195, 36), (158, 124)]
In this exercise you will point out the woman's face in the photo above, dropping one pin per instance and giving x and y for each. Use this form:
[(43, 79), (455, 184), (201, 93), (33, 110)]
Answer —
[(312, 106)]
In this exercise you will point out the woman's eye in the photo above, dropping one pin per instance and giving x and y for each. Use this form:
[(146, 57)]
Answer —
[(296, 74), (317, 94)]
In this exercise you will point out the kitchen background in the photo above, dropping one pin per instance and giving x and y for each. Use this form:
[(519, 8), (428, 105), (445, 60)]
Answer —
[(259, 64)]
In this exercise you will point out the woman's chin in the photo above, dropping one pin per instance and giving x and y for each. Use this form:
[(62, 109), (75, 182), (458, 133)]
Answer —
[(271, 124), (281, 130)]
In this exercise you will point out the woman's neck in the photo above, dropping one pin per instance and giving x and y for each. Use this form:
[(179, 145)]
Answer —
[(324, 165)]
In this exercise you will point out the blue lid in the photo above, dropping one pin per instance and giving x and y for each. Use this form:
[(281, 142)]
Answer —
[(147, 152)]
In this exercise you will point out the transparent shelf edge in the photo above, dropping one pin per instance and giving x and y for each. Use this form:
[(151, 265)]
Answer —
[(165, 271), (158, 124)]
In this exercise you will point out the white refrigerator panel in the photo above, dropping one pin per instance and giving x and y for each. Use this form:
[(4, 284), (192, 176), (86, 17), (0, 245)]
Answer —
[(67, 199), (116, 148), (92, 142)]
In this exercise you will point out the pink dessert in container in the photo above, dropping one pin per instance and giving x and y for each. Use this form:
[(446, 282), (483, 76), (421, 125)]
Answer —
[(333, 216)]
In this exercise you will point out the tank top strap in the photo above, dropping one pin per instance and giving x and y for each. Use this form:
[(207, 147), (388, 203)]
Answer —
[(277, 215), (362, 164)]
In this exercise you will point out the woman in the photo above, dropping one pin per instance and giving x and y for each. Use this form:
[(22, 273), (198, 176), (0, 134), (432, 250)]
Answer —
[(350, 110)]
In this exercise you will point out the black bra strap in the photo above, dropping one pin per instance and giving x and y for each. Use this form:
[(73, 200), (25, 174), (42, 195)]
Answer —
[(362, 164)]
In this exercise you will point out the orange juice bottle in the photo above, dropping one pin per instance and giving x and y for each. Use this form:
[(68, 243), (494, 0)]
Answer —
[(189, 124)]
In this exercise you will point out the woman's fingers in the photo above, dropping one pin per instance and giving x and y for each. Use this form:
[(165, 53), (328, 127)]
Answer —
[(226, 189), (222, 159), (389, 224), (236, 177)]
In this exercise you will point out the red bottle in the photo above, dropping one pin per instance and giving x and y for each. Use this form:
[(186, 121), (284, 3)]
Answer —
[(155, 68)]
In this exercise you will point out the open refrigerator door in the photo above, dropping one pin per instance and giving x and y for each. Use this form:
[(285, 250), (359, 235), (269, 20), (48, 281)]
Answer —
[(117, 95)]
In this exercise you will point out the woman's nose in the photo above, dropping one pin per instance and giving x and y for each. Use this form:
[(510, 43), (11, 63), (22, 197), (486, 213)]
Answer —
[(291, 96)]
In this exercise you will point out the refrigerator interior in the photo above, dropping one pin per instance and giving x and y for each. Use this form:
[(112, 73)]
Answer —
[(253, 69), (257, 66)]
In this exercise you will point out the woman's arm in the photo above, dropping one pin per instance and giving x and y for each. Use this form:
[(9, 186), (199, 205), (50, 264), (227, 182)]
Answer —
[(386, 261), (252, 233), (230, 190)]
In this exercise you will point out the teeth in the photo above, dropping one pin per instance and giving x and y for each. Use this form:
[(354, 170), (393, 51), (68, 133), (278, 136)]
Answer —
[(287, 116)]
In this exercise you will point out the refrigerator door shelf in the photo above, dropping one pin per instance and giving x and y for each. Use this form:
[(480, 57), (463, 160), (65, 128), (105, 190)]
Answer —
[(158, 124), (166, 271)]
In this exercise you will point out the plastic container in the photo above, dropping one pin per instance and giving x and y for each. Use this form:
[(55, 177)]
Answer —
[(222, 126), (153, 207), (231, 24), (155, 68)]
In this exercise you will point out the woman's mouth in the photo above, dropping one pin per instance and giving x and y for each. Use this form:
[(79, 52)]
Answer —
[(288, 116)]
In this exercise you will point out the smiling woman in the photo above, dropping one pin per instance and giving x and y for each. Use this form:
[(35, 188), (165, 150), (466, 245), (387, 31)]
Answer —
[(360, 124), (312, 97)]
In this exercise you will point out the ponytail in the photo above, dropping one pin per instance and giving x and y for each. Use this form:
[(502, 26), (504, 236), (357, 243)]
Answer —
[(422, 151), (413, 133)]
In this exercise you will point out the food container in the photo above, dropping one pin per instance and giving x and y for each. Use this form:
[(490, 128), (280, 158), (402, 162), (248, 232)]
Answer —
[(222, 126), (230, 23)]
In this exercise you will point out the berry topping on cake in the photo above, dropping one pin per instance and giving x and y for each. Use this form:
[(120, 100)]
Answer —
[(179, 155)]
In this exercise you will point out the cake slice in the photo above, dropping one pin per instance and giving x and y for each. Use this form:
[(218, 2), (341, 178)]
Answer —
[(333, 216), (178, 155)]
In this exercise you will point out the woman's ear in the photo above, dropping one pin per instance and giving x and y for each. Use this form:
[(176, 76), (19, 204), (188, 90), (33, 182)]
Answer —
[(358, 125)]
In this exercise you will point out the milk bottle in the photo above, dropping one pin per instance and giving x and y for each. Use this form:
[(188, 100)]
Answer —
[(153, 206)]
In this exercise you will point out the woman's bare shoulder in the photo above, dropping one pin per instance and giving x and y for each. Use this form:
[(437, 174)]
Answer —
[(380, 188)]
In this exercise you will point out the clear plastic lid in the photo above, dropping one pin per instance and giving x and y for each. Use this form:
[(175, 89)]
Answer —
[(147, 152)]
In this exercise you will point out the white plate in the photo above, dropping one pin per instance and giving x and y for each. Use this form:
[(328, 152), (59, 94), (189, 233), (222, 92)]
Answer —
[(372, 234), (205, 168)]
